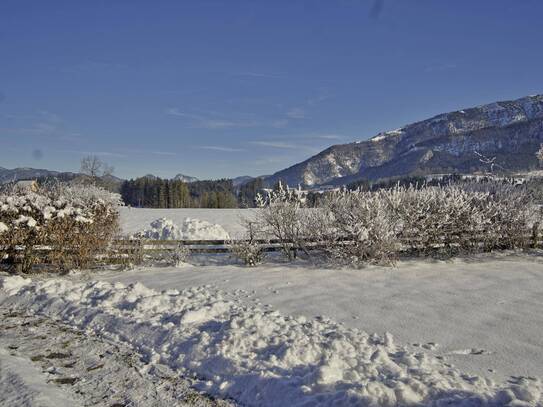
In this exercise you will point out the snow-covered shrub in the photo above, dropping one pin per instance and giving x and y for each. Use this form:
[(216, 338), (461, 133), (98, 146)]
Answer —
[(179, 255), (355, 227), (70, 223), (248, 251), (282, 217), (507, 212), (359, 227), (20, 218), (445, 219)]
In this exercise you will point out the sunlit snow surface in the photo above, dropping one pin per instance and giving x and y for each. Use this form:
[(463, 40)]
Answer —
[(135, 220), (188, 229), (257, 355)]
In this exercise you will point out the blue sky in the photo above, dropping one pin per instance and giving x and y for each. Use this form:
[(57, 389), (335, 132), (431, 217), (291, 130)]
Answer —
[(225, 88)]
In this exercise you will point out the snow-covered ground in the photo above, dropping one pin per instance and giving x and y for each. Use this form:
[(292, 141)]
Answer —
[(45, 363), (483, 313), (464, 330), (23, 384)]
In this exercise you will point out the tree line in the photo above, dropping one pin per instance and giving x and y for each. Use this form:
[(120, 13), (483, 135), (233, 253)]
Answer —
[(147, 192)]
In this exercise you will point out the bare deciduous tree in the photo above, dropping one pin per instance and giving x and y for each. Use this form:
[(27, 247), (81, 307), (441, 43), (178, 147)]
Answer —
[(95, 168)]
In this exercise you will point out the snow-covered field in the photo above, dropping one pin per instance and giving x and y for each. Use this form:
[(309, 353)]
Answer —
[(484, 313), (465, 332)]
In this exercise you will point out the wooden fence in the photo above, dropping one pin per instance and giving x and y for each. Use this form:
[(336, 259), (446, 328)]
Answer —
[(151, 248), (138, 250)]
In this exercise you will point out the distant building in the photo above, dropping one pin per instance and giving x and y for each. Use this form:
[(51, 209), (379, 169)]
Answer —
[(27, 184)]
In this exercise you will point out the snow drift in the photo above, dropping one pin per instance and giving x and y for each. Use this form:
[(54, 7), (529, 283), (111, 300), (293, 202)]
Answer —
[(191, 229), (259, 356)]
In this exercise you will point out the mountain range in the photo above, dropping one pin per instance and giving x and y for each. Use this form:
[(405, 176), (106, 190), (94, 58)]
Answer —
[(506, 133), (500, 136), (23, 173)]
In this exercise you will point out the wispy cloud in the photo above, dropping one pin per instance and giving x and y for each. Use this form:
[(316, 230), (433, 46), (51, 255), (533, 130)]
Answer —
[(283, 145), (50, 117), (271, 160), (224, 124), (211, 122), (327, 136), (318, 99), (296, 113), (43, 124), (173, 111), (279, 123), (222, 149), (275, 144), (96, 153), (163, 153)]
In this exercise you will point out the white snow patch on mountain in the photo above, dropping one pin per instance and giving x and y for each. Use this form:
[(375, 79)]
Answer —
[(382, 136)]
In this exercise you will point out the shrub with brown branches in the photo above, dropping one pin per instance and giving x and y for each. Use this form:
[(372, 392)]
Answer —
[(67, 226)]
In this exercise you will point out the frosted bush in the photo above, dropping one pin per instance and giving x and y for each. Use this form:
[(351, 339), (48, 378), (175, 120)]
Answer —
[(357, 228), (248, 251), (470, 217), (431, 219), (282, 217), (72, 222), (360, 227), (180, 255)]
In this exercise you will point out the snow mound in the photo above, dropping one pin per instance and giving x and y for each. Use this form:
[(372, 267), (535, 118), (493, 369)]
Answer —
[(191, 229), (161, 229), (195, 229), (260, 357)]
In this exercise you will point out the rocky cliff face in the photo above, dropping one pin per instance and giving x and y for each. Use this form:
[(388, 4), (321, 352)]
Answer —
[(511, 131)]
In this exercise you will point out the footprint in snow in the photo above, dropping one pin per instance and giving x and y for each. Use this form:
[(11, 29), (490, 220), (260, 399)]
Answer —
[(471, 351)]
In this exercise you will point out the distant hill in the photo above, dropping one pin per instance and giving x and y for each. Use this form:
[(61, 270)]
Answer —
[(16, 174), (238, 181), (109, 182), (185, 178), (510, 131)]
